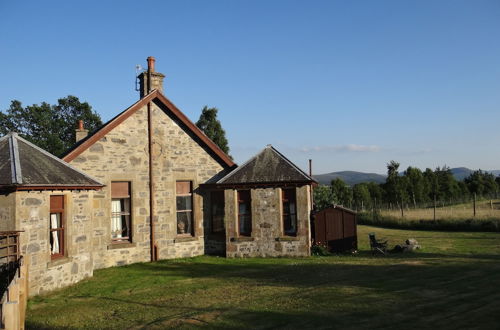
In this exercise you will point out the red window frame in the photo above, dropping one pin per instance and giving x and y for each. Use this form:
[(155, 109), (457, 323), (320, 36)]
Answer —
[(57, 207), (184, 189), (121, 191), (244, 219), (290, 223)]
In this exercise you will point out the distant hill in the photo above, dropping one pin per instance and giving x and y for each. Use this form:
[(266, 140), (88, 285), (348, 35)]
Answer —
[(461, 173), (350, 177), (353, 177)]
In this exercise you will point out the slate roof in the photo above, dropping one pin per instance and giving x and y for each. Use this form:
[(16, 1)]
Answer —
[(268, 167), (166, 104), (26, 166)]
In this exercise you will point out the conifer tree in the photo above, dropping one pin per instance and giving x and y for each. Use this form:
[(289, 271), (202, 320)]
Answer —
[(212, 127)]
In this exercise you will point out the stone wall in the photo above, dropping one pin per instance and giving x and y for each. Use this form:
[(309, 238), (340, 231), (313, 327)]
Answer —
[(267, 238), (179, 157), (122, 155), (33, 216), (7, 212)]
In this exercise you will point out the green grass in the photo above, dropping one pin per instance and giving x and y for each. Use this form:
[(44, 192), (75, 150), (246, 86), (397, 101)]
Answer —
[(451, 283)]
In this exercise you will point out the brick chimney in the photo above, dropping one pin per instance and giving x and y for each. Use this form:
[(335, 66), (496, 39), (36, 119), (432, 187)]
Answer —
[(156, 79), (81, 133)]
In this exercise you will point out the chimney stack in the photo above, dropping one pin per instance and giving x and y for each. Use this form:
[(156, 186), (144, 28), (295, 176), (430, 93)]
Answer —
[(150, 80), (81, 133), (151, 63)]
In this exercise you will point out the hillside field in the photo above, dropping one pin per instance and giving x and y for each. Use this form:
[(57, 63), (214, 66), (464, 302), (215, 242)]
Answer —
[(485, 209)]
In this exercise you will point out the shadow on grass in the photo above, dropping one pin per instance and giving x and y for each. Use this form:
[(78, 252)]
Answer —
[(233, 318), (423, 283)]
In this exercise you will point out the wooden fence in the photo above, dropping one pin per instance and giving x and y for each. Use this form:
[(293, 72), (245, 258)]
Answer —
[(13, 282), (336, 228)]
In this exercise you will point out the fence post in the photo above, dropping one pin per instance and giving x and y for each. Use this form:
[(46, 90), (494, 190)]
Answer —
[(474, 205), (374, 207), (434, 207), (402, 207)]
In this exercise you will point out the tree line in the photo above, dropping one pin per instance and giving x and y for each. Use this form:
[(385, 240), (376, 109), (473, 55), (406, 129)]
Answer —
[(411, 188)]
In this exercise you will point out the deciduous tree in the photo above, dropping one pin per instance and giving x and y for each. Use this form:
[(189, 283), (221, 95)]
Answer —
[(51, 127)]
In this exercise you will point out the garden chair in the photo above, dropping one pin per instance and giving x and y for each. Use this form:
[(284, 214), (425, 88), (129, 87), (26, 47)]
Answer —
[(377, 246)]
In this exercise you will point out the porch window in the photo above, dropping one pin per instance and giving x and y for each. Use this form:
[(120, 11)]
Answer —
[(56, 226), (244, 213), (184, 203), (289, 211), (217, 211), (120, 212)]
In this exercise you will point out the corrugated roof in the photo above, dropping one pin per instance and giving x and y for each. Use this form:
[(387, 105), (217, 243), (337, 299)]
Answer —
[(22, 164), (268, 166)]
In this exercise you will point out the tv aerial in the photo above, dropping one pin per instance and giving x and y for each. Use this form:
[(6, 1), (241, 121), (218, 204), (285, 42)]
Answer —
[(138, 70)]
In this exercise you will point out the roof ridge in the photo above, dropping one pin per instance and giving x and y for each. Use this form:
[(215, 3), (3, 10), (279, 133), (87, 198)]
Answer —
[(231, 173), (88, 137), (225, 158), (46, 153), (154, 95), (15, 164), (277, 154), (290, 163), (6, 136)]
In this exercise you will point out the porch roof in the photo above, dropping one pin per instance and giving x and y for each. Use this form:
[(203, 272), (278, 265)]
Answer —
[(268, 167), (26, 166)]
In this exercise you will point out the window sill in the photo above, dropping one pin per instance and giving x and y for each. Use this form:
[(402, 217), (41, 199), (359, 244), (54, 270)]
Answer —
[(181, 239), (242, 239), (58, 261), (287, 239), (121, 245)]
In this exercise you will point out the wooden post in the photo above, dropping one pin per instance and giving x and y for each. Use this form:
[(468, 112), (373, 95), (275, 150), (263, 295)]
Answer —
[(402, 207), (434, 207), (474, 204), (23, 292), (11, 315), (311, 190)]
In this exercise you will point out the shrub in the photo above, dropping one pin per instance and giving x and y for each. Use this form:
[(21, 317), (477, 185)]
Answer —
[(320, 250)]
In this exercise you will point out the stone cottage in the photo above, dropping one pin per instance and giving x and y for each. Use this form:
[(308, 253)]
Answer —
[(159, 188), (266, 207), (51, 202)]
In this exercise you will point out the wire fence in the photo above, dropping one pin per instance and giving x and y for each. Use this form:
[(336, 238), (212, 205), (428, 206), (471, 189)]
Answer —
[(486, 207)]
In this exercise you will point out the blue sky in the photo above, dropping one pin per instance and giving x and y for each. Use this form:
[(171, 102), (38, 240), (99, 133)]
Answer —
[(350, 84)]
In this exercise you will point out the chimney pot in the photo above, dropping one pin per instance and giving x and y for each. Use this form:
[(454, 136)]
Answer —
[(80, 132), (146, 86), (151, 64)]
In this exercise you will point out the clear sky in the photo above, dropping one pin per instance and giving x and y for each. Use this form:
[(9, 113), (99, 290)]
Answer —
[(350, 84)]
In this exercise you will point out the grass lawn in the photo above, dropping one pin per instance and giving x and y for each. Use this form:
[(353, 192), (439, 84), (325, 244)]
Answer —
[(452, 283)]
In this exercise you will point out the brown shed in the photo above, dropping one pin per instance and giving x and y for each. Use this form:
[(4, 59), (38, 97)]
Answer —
[(336, 228)]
